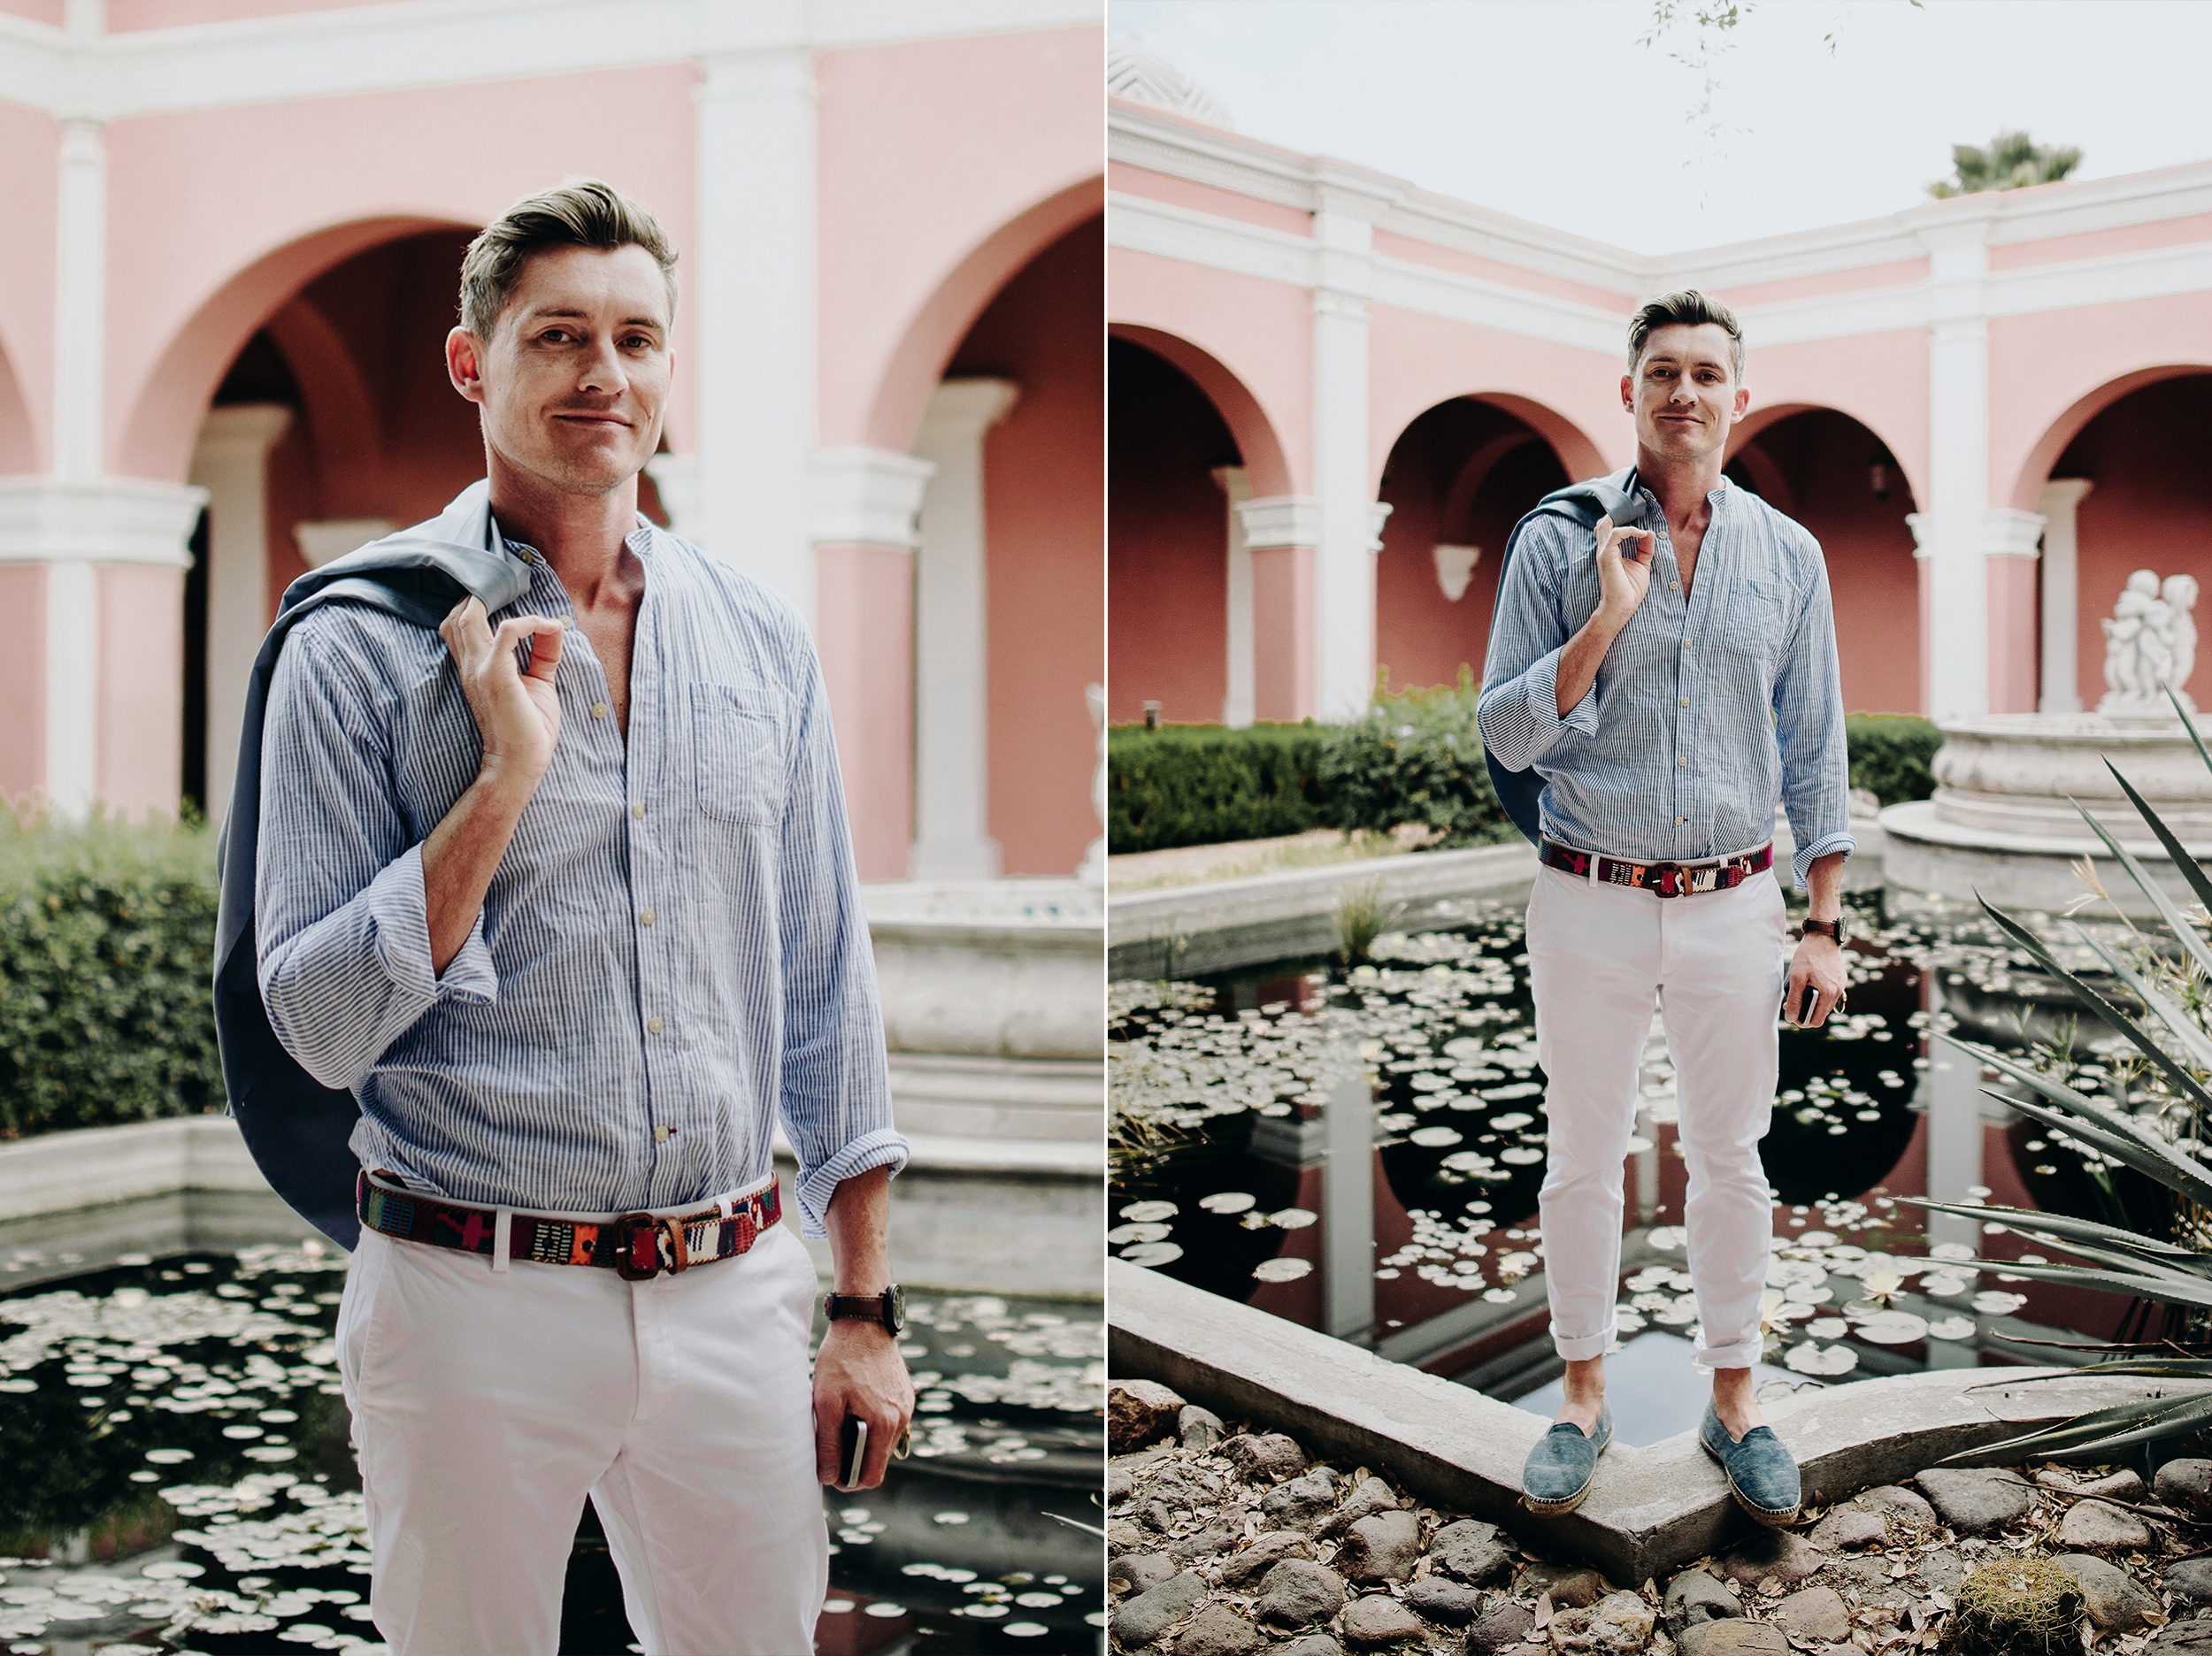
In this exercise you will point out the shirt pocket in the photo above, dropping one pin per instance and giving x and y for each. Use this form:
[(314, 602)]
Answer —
[(737, 747)]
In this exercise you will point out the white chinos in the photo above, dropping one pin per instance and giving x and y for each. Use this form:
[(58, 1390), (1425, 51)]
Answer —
[(1597, 953), (486, 1404)]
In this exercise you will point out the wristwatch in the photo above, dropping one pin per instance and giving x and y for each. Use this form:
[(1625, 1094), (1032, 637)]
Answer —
[(1824, 928), (888, 1308)]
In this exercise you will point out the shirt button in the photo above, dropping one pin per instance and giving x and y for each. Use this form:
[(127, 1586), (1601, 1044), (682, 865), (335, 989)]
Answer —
[(1674, 586), (638, 810), (1682, 761), (1681, 820), (599, 709), (1689, 643), (645, 916), (1686, 701), (652, 1026), (662, 1135)]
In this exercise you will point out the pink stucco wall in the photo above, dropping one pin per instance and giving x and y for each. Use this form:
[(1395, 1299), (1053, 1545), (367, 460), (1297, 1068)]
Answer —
[(22, 678), (1283, 659), (1259, 332), (49, 13), (126, 16), (1894, 274), (1044, 483), (216, 215), (1123, 178), (29, 144), (1879, 380), (2135, 238), (2052, 371), (1571, 397), (142, 690), (1167, 575), (2144, 513), (866, 630), (1412, 250), (898, 219)]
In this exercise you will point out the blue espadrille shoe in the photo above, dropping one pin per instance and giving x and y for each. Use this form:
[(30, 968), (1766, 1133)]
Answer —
[(1761, 1474), (1559, 1468)]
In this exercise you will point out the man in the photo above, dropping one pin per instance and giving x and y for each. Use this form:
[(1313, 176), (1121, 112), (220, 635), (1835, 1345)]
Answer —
[(1670, 684), (566, 900)]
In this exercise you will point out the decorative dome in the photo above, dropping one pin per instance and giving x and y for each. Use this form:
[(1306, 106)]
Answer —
[(1135, 71)]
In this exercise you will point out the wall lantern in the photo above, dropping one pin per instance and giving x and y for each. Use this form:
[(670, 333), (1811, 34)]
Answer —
[(1454, 565), (1877, 471)]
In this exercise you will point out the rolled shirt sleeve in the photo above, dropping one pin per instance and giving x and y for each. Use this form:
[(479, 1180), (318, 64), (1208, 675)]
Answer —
[(1518, 713), (342, 915), (835, 1099), (1808, 728)]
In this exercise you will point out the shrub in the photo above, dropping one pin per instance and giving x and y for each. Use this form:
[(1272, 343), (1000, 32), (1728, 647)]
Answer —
[(1891, 753), (107, 938), (1204, 784), (1417, 757)]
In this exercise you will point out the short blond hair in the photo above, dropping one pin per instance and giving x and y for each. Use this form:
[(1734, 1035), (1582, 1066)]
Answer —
[(577, 212), (1687, 309)]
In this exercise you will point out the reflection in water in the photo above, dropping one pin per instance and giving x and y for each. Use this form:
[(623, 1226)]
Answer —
[(1232, 1084), (175, 1446)]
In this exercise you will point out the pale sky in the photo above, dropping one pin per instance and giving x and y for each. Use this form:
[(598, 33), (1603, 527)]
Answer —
[(1549, 110)]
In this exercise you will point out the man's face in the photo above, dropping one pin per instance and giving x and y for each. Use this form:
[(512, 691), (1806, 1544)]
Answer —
[(1684, 392), (575, 376)]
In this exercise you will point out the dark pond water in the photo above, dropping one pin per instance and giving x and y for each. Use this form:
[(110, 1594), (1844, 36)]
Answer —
[(174, 1470), (1359, 1150)]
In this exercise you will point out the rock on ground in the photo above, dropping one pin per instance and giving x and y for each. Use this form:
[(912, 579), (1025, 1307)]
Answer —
[(2192, 1637), (1297, 1592), (1141, 1571), (1976, 1501), (1444, 1600), (1372, 1496), (2190, 1581), (1619, 1624), (1815, 1613), (1212, 1539), (1733, 1638), (1197, 1428), (2185, 1486), (2109, 1594), (1894, 1501), (1218, 1630), (1781, 1555), (2095, 1526), (1265, 1457), (1138, 1411), (1848, 1528), (1470, 1550), (1694, 1597), (1302, 1502), (1144, 1618), (1265, 1552), (1379, 1619), (1507, 1621), (2121, 1486), (1312, 1644), (1381, 1548), (1570, 1587)]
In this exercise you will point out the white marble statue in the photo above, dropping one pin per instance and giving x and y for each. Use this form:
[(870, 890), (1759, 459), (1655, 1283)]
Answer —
[(1092, 872), (2150, 642)]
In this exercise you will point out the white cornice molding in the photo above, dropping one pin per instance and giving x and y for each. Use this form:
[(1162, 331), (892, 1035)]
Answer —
[(2011, 533), (107, 520), (414, 43), (1280, 520), (861, 496), (1143, 226)]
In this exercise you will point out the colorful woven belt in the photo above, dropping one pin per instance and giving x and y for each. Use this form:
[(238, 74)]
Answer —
[(635, 1246), (1668, 879)]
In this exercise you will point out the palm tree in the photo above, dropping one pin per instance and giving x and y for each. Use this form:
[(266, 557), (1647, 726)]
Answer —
[(2013, 161)]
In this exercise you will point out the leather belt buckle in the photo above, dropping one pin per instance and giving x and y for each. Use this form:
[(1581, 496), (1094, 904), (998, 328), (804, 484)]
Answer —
[(635, 1233)]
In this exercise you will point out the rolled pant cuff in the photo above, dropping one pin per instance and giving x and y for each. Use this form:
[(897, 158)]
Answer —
[(1583, 1346), (1742, 1355)]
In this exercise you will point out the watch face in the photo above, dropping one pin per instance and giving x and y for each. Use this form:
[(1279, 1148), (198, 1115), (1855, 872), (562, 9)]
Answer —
[(894, 1308)]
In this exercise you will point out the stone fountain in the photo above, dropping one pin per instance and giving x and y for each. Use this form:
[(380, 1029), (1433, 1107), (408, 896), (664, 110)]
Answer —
[(2002, 823)]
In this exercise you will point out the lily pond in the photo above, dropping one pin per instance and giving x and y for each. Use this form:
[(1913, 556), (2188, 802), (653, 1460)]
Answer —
[(175, 1474), (1359, 1149)]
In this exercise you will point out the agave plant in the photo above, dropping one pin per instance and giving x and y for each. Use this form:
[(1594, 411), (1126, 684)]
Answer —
[(2175, 1271)]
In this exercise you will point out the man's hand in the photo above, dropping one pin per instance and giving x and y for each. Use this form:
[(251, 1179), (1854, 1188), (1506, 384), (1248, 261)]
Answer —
[(1818, 961), (858, 1372), (518, 713), (1624, 569)]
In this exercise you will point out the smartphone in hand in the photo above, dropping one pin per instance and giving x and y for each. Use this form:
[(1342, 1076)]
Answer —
[(1805, 1005), (852, 1450)]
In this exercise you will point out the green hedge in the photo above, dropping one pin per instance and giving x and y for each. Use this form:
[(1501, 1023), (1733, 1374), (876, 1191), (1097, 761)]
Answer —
[(1891, 753), (1202, 783), (107, 937), (1417, 757)]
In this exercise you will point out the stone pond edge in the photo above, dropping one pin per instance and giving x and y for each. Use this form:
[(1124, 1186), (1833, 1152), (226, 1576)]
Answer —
[(1651, 1508)]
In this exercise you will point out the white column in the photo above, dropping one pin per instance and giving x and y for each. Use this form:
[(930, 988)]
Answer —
[(1236, 707), (80, 298), (72, 528), (1950, 531), (2061, 595), (676, 480), (861, 496), (951, 688), (231, 461), (755, 299), (1344, 587)]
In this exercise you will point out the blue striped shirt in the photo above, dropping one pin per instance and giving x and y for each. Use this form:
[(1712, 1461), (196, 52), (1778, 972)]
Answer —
[(672, 951), (1709, 708)]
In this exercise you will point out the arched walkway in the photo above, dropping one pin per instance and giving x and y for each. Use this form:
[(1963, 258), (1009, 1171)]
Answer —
[(1458, 478), (1199, 621), (1818, 465)]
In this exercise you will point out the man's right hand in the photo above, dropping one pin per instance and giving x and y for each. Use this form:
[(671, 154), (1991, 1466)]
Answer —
[(518, 713), (1624, 569)]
